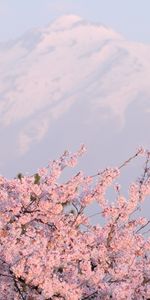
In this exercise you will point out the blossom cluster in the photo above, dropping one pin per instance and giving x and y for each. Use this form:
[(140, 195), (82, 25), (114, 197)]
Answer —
[(44, 254)]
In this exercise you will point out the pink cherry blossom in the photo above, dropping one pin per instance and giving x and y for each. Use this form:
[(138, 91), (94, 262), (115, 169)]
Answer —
[(49, 248)]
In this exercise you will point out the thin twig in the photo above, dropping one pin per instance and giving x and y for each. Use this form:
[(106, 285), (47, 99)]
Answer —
[(143, 226)]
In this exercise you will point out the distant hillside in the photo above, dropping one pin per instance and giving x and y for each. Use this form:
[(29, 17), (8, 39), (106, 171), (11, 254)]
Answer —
[(71, 82)]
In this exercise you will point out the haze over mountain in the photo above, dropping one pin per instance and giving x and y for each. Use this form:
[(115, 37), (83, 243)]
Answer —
[(69, 83)]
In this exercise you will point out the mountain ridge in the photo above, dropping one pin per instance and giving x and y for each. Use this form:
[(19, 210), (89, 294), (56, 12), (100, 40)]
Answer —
[(70, 64)]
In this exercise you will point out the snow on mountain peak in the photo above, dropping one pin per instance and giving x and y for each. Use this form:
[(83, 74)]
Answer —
[(66, 21), (70, 63)]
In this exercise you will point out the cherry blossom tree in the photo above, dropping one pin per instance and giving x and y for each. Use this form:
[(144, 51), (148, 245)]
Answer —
[(44, 253)]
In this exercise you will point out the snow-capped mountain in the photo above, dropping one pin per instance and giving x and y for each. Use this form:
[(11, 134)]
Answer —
[(71, 82)]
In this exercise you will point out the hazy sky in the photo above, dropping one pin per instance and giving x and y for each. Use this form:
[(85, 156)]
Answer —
[(130, 17)]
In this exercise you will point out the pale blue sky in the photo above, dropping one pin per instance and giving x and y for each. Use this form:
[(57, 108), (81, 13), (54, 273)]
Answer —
[(130, 17)]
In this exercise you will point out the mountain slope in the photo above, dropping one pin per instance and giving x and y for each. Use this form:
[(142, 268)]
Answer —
[(69, 82)]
